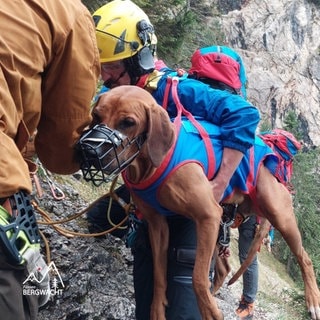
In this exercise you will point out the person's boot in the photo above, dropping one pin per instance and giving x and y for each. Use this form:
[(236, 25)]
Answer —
[(245, 310)]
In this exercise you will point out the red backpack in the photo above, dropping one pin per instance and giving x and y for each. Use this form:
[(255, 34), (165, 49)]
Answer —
[(221, 67), (285, 146)]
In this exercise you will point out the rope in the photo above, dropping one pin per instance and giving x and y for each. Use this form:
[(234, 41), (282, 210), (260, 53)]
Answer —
[(46, 244), (128, 207)]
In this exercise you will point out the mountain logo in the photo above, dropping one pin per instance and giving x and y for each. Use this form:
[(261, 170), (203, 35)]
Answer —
[(45, 281), (51, 269)]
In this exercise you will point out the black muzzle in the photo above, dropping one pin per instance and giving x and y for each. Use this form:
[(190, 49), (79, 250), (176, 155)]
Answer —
[(103, 153)]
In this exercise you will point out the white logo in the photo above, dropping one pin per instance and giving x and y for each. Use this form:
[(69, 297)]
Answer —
[(44, 281)]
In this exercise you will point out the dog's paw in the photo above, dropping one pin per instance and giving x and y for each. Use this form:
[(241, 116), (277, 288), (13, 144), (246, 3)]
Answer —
[(314, 313)]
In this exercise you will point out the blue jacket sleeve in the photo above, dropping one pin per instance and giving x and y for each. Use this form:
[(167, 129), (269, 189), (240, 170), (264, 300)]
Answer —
[(237, 118)]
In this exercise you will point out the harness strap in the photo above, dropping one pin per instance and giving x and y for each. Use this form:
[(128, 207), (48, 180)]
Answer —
[(250, 179), (173, 82), (166, 94)]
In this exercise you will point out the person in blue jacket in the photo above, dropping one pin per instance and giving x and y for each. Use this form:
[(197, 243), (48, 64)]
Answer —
[(127, 46)]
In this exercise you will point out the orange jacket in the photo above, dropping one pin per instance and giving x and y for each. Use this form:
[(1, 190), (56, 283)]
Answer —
[(49, 71)]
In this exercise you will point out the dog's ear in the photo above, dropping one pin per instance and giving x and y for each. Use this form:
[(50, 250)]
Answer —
[(95, 117), (160, 135)]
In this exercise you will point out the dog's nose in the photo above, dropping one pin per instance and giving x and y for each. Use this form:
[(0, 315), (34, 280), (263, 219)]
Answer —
[(95, 144)]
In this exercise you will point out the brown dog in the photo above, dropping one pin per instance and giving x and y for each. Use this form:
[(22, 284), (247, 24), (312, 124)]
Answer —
[(133, 112)]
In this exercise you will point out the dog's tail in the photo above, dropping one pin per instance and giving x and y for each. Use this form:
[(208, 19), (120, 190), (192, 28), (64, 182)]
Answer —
[(254, 248)]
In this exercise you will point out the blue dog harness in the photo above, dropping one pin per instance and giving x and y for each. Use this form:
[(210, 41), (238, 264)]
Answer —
[(199, 141)]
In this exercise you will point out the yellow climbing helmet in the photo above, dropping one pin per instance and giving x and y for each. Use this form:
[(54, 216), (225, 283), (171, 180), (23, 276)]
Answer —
[(122, 30)]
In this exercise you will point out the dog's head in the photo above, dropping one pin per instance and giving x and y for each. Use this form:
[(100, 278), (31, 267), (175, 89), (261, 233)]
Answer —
[(127, 124)]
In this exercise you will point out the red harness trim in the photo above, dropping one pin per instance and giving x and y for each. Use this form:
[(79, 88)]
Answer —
[(173, 82), (142, 81), (146, 183)]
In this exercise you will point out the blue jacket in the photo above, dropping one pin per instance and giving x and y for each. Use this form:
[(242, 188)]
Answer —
[(237, 118)]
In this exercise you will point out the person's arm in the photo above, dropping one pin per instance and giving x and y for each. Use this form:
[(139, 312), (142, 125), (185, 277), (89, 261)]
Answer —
[(236, 117), (69, 84), (230, 161)]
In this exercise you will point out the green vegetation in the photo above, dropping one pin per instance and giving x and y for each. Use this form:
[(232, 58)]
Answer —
[(306, 204), (291, 124), (181, 27), (316, 2)]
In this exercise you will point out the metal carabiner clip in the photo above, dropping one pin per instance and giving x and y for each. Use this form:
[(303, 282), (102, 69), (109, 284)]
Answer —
[(57, 193)]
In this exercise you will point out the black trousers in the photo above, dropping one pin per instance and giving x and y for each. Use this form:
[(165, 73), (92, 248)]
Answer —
[(14, 305), (182, 303)]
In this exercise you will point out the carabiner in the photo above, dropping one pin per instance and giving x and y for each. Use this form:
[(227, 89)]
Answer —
[(57, 193)]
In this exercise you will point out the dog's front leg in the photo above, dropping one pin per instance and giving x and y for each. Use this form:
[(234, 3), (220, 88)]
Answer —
[(188, 192), (207, 230), (159, 240)]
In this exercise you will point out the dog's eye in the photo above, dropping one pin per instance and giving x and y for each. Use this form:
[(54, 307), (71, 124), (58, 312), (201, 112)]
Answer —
[(126, 123)]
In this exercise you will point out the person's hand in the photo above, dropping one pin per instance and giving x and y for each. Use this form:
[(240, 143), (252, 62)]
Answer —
[(229, 163), (224, 252), (218, 188)]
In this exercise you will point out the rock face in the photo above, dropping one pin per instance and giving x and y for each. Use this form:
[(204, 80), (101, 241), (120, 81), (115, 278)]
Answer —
[(96, 273), (280, 44)]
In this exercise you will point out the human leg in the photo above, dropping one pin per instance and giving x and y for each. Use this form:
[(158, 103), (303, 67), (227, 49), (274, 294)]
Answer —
[(250, 276), (181, 257), (13, 303), (142, 272)]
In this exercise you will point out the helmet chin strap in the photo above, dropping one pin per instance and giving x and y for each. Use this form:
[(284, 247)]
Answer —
[(110, 82), (139, 64)]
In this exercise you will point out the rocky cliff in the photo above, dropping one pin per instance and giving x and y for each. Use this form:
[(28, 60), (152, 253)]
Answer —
[(280, 44)]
